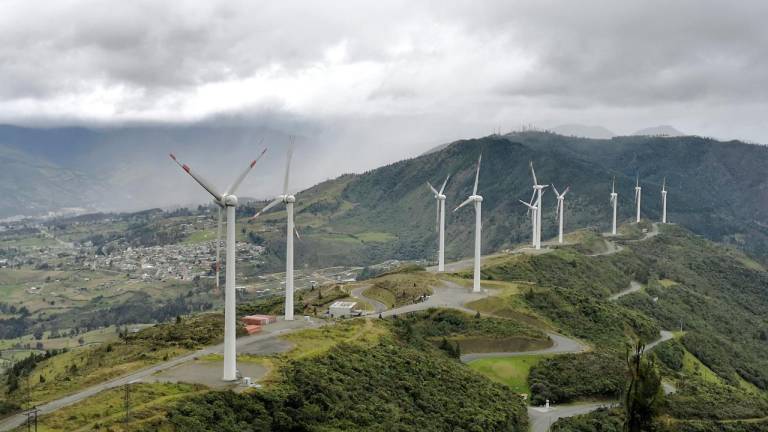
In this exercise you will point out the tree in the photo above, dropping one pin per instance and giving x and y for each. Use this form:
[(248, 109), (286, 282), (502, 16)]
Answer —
[(643, 393)]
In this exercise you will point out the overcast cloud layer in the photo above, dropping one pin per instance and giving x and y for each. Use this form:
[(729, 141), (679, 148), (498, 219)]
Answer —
[(394, 77)]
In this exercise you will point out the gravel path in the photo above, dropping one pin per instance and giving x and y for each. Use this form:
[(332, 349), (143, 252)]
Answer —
[(378, 306)]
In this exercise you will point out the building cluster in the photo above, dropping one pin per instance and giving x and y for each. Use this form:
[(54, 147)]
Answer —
[(183, 261)]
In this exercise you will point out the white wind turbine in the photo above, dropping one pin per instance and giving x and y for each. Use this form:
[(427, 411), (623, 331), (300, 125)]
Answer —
[(614, 202), (288, 200), (440, 223), (560, 210), (638, 196), (478, 200), (538, 190), (532, 210), (228, 201), (664, 201)]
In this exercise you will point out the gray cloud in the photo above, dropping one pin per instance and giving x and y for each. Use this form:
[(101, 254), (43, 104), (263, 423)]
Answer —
[(399, 68)]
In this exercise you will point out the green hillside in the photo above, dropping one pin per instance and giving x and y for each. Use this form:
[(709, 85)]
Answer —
[(388, 212)]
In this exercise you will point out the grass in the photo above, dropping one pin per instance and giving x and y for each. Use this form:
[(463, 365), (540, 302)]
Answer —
[(201, 236), (314, 342), (376, 237), (667, 283), (106, 410), (93, 366), (507, 303), (511, 371), (692, 366), (398, 289)]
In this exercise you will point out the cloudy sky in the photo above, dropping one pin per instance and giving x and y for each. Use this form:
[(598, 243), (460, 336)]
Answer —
[(392, 77)]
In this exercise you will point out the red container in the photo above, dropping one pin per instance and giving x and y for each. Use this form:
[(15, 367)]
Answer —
[(251, 329)]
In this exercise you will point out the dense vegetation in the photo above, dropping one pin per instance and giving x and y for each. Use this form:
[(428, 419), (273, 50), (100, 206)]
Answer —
[(722, 303), (387, 387), (570, 289), (570, 377)]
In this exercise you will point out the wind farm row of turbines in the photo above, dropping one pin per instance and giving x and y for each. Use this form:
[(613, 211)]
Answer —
[(227, 202), (534, 206)]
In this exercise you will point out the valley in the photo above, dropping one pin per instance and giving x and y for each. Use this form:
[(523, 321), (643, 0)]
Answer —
[(516, 290)]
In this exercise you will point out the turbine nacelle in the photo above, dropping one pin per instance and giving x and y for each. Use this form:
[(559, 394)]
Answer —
[(229, 200), (476, 198)]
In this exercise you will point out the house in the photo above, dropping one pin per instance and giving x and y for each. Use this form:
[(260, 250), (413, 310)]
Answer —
[(342, 309)]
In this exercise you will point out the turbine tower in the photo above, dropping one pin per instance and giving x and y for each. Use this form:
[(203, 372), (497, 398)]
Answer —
[(478, 200), (638, 196), (559, 211), (290, 230), (664, 201), (228, 201), (614, 201), (532, 210), (440, 223), (537, 189)]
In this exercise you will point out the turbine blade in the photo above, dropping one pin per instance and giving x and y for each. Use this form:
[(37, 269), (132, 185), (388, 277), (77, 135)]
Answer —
[(468, 200), (288, 167), (533, 173), (277, 201), (613, 185), (565, 191), (477, 175), (442, 188), (295, 230), (432, 188), (533, 196), (664, 184), (199, 179), (231, 189), (555, 189), (530, 206)]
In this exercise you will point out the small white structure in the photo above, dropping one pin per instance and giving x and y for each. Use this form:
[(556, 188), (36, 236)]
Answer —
[(341, 309)]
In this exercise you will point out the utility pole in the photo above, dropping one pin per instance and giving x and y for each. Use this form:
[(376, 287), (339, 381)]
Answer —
[(127, 403)]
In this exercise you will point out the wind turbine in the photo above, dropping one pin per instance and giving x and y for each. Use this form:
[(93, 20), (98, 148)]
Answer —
[(440, 223), (638, 196), (664, 201), (559, 210), (537, 189), (478, 200), (532, 210), (228, 201), (614, 201), (288, 200)]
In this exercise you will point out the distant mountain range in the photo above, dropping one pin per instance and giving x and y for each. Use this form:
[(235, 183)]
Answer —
[(717, 189), (44, 170), (599, 132), (584, 131)]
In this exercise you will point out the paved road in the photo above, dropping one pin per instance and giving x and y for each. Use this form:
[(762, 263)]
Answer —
[(378, 306), (634, 286), (541, 418), (560, 345), (665, 336), (272, 331)]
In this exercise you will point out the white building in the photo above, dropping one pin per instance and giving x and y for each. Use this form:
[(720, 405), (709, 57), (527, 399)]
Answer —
[(341, 309)]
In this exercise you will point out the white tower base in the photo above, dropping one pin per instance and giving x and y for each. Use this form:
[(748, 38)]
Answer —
[(478, 228), (230, 354), (441, 246), (289, 262)]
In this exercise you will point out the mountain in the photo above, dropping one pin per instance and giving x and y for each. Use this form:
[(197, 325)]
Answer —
[(583, 131), (716, 189), (663, 130), (30, 185), (46, 169)]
